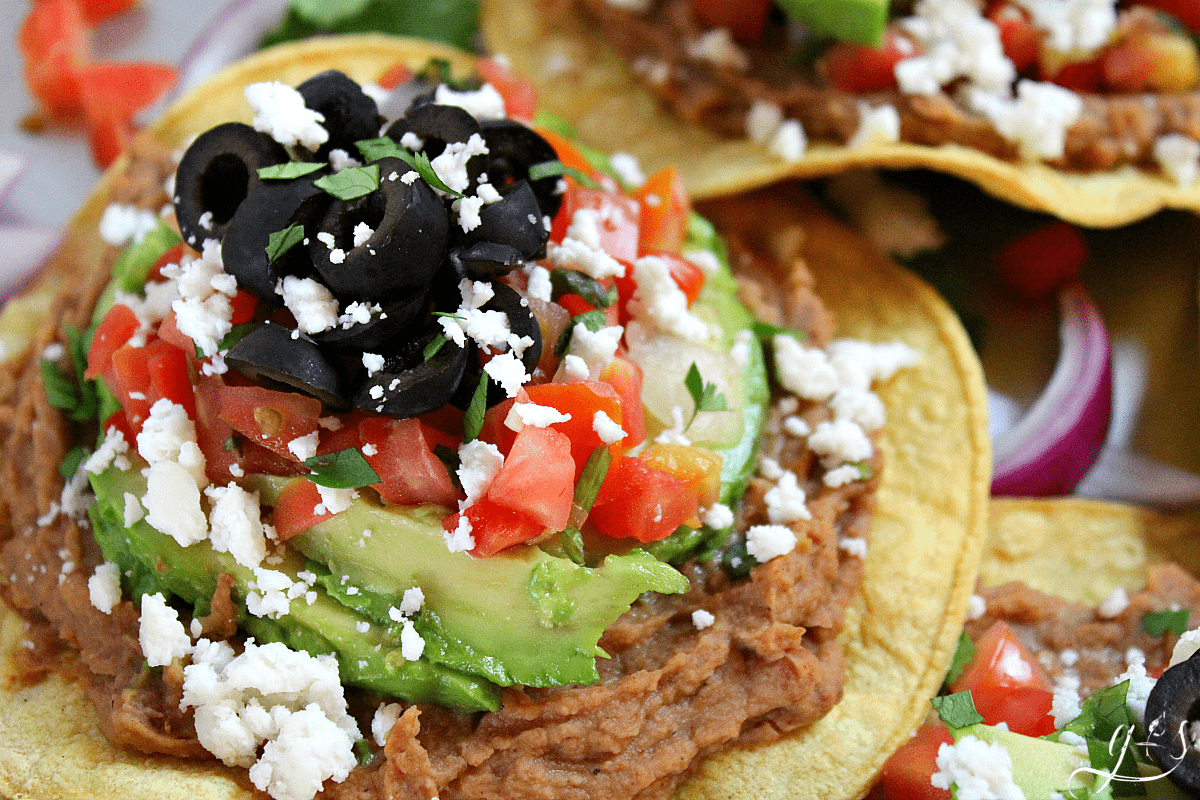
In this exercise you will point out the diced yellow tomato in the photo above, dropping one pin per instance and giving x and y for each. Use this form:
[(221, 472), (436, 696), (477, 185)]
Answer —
[(1151, 61), (698, 467), (640, 502)]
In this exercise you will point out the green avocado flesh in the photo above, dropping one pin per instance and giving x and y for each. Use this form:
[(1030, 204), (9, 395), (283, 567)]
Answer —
[(1042, 769), (861, 21), (522, 617)]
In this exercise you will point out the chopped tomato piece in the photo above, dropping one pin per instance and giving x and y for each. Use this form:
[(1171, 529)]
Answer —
[(268, 417), (537, 478), (1078, 76), (118, 325), (124, 88), (140, 376), (698, 467), (1019, 37), (172, 256), (244, 305), (213, 434), (665, 206), (295, 509), (905, 775), (580, 399), (54, 42), (395, 75), (108, 136), (1151, 61), (1042, 261), (1024, 709), (119, 421), (568, 154), (640, 502), (409, 472), (95, 11), (687, 276), (854, 67), (745, 19), (625, 377), (618, 224), (520, 96), (167, 366), (169, 331), (495, 527), (1001, 669)]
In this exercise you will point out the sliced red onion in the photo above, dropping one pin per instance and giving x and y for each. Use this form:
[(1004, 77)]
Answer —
[(11, 166), (25, 249), (1049, 450), (234, 33)]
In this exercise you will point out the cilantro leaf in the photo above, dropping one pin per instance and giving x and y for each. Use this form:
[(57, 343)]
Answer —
[(69, 391), (236, 334), (71, 461), (962, 656), (380, 147), (550, 169), (450, 460), (592, 320), (473, 417), (704, 395), (572, 281), (1157, 623), (289, 170), (345, 469), (767, 330), (420, 162), (957, 710), (280, 242), (434, 346), (351, 182)]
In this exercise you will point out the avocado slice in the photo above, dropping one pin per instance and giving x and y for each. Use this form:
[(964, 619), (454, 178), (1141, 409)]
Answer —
[(1041, 768), (861, 21)]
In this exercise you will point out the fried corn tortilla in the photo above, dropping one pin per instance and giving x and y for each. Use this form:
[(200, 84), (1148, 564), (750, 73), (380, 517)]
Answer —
[(925, 541), (580, 77)]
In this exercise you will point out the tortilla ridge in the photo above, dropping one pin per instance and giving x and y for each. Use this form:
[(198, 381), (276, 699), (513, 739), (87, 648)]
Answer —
[(538, 40), (961, 518)]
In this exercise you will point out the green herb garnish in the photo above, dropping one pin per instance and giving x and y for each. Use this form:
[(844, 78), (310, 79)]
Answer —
[(572, 281), (420, 162), (552, 169), (71, 461), (962, 656), (767, 330), (69, 391), (289, 170), (345, 469), (381, 147), (1157, 623), (957, 710), (704, 395), (473, 417), (280, 242), (236, 334), (350, 183), (435, 346)]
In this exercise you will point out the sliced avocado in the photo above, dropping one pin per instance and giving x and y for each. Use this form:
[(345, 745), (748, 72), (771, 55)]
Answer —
[(1041, 768), (368, 654), (861, 21), (519, 617)]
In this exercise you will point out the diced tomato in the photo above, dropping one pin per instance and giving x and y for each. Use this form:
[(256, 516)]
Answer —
[(256, 459), (95, 11), (1042, 261), (172, 256), (495, 527), (269, 417), (169, 331), (906, 773), (295, 509), (640, 502), (537, 478), (745, 19), (1024, 709), (409, 472), (698, 467), (124, 88), (625, 377), (574, 304), (244, 304), (167, 367), (665, 206), (520, 96), (1078, 76), (213, 434), (686, 275), (568, 154), (118, 325), (128, 377), (1002, 664), (619, 219), (1151, 61), (108, 136), (119, 421), (580, 399), (860, 68), (1018, 35), (54, 42), (395, 75)]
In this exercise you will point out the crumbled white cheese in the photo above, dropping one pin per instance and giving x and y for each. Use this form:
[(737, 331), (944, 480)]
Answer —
[(802, 370), (172, 503), (596, 348), (339, 159), (279, 112), (304, 447), (789, 141), (1036, 121), (362, 232), (412, 601), (334, 501), (286, 704), (523, 414), (765, 542), (483, 103), (786, 501), (384, 720), (1140, 684), (854, 546), (411, 643), (796, 426), (311, 303), (451, 164), (461, 539), (660, 302), (976, 607), (581, 248), (160, 633), (840, 441), (1065, 705), (717, 516), (717, 47), (572, 368), (121, 224), (111, 452), (762, 120), (478, 464), (104, 587), (1179, 157), (1188, 644), (628, 170), (133, 512), (876, 126), (1073, 26), (508, 371), (702, 619), (1112, 606), (978, 770), (236, 521), (539, 287), (269, 593), (203, 309), (957, 41), (468, 212), (373, 362), (609, 431)]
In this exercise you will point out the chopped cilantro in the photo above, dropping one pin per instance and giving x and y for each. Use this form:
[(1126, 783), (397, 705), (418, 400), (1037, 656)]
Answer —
[(71, 461), (237, 333), (435, 346), (345, 469), (962, 656), (381, 147), (767, 330), (69, 391), (550, 169), (280, 242), (289, 170), (572, 281), (957, 710), (449, 458), (420, 162), (351, 182), (704, 395), (592, 320), (1157, 623), (473, 417)]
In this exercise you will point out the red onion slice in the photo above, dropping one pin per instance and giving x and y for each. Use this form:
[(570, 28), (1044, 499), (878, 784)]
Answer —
[(25, 248), (1053, 445), (11, 166), (235, 32)]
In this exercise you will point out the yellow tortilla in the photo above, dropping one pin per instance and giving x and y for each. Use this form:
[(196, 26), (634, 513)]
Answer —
[(920, 568), (582, 79)]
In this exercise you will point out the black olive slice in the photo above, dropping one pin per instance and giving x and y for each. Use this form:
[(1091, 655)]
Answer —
[(417, 385), (410, 228), (350, 113), (218, 171), (1173, 702), (279, 358), (382, 331), (521, 322), (484, 261), (512, 149), (436, 125), (271, 208), (514, 220)]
